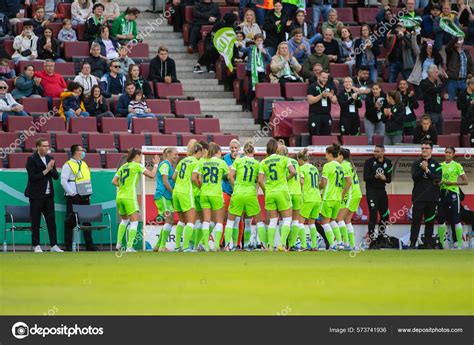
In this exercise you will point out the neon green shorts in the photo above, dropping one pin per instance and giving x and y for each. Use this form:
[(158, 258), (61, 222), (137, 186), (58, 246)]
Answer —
[(330, 208), (244, 203), (352, 204), (127, 207), (212, 202), (310, 210), (197, 203), (277, 201), (296, 202), (182, 202), (164, 206)]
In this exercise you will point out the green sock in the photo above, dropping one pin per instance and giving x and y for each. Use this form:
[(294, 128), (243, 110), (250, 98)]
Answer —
[(121, 231), (442, 234), (235, 236), (132, 233), (459, 235), (302, 234), (262, 234), (179, 234), (351, 234), (312, 234), (329, 234), (247, 235), (165, 232), (228, 235), (205, 238), (337, 233), (197, 238), (344, 233), (295, 228), (271, 238), (285, 231), (188, 232)]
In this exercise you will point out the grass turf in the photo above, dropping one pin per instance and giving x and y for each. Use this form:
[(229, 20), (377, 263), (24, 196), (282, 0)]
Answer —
[(241, 283)]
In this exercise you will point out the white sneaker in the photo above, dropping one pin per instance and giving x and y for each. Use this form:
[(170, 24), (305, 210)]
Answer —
[(130, 250), (56, 249), (38, 249), (118, 246)]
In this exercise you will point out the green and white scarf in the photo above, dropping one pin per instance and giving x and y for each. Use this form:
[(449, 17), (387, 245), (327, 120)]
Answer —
[(257, 63), (410, 22), (448, 26)]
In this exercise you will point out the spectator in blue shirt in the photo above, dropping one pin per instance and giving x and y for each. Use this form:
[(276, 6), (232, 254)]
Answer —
[(299, 46)]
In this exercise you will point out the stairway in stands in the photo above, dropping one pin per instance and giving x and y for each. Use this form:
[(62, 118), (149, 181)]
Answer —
[(204, 87)]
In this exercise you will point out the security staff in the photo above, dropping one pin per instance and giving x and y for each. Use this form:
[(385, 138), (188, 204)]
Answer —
[(76, 182), (377, 173)]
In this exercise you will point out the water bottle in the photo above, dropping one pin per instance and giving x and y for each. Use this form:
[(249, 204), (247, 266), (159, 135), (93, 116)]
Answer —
[(74, 247), (5, 248)]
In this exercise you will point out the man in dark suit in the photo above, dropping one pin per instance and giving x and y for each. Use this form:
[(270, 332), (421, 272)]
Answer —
[(39, 189)]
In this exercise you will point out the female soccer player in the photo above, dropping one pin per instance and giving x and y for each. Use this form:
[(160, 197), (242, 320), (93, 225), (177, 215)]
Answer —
[(243, 175), (208, 175), (294, 187), (311, 198), (331, 183), (449, 206), (126, 180), (163, 198), (183, 193), (272, 178), (352, 195)]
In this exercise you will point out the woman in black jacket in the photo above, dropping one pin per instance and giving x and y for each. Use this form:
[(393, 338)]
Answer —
[(375, 102), (410, 103), (350, 102), (366, 51), (48, 46), (140, 83), (393, 117), (96, 104), (464, 103), (274, 26)]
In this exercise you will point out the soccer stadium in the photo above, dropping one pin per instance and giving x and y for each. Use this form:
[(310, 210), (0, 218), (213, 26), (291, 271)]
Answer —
[(236, 157)]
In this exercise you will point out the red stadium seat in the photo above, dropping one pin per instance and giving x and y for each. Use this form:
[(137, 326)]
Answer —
[(93, 161), (223, 139), (408, 139), (19, 123), (139, 51), (76, 49), (9, 141), (144, 125), (346, 15), (187, 108), (11, 84), (324, 139), (54, 124), (82, 124), (448, 140), (172, 125), (377, 139), (8, 44), (227, 9), (339, 70), (186, 137), (112, 160), (66, 8), (127, 141), (386, 87), (101, 142), (188, 14), (265, 95), (163, 90), (37, 64), (160, 107), (81, 30), (164, 140), (64, 141), (452, 126), (30, 142), (145, 70), (241, 73), (35, 105), (300, 126), (114, 125), (295, 90), (367, 15), (18, 160), (355, 140), (207, 125), (66, 69), (60, 158), (466, 141), (450, 110)]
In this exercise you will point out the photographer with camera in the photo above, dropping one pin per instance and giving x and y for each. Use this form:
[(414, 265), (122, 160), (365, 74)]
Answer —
[(401, 57), (25, 44)]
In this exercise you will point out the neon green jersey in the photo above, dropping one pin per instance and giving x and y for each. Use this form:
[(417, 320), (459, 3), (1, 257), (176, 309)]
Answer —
[(349, 171), (184, 171), (211, 171), (294, 185), (310, 175), (128, 175), (246, 174), (275, 169), (333, 173), (451, 172)]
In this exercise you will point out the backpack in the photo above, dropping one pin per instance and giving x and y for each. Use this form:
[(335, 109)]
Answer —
[(4, 24)]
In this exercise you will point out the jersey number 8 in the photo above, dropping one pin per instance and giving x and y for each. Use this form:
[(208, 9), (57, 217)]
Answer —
[(182, 171)]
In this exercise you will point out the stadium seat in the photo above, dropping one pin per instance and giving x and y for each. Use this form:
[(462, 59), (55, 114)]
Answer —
[(164, 140), (355, 30), (187, 108), (207, 125), (139, 51), (386, 87), (66, 69), (93, 161), (64, 141), (76, 50), (466, 140), (174, 90), (452, 126), (145, 70), (112, 160), (377, 140), (160, 107), (346, 15), (30, 141), (82, 124), (81, 31), (18, 160), (265, 95), (450, 110), (295, 91), (37, 64), (8, 45), (185, 138), (54, 124), (144, 125), (10, 83), (408, 139), (238, 83), (227, 9), (19, 123), (7, 141), (223, 139), (114, 125), (172, 125), (448, 140), (97, 142), (324, 139), (60, 158), (367, 14), (300, 126), (35, 106), (127, 141), (339, 70), (188, 14), (355, 140)]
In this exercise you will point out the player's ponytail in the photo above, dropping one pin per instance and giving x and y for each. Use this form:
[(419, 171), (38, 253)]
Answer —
[(272, 146), (282, 149), (190, 147), (333, 150), (168, 151), (303, 155), (213, 150), (196, 148), (346, 154), (132, 153), (248, 147)]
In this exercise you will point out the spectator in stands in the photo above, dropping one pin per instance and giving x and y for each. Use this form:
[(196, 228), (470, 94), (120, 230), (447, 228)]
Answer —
[(111, 9), (54, 9), (138, 108), (140, 83), (433, 94), (307, 28), (408, 98), (284, 67), (464, 103), (428, 56), (347, 45), (393, 117), (320, 7), (320, 97), (332, 48), (72, 103), (48, 46), (178, 13), (205, 13), (350, 102), (13, 10), (427, 24), (385, 22), (274, 26), (96, 104), (375, 102), (442, 37), (25, 44), (333, 24), (249, 26), (86, 79), (8, 105), (95, 22), (425, 132), (317, 70), (124, 28), (366, 51), (163, 68), (124, 100), (362, 83), (53, 83), (67, 33), (123, 59), (6, 72), (39, 21), (113, 82), (401, 56), (27, 85), (98, 62), (41, 171), (108, 46), (299, 46), (317, 57), (81, 10), (459, 67)]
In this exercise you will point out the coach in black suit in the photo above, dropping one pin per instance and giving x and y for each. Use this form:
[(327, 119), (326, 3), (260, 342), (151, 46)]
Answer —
[(39, 189)]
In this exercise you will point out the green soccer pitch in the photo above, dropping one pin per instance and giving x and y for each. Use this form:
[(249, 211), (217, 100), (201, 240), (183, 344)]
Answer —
[(385, 282)]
